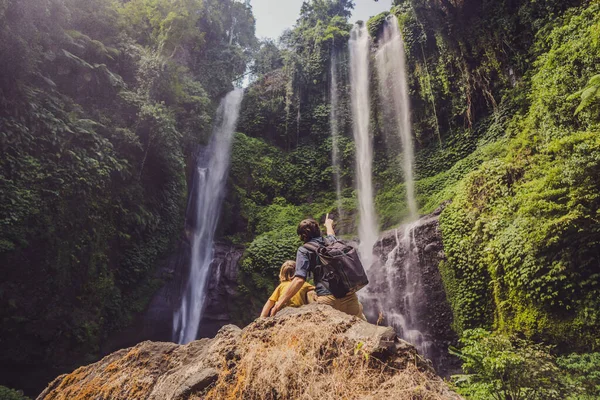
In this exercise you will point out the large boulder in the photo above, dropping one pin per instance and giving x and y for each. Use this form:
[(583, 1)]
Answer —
[(309, 352)]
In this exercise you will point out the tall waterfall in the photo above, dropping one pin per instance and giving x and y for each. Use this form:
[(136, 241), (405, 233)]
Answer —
[(359, 96), (203, 211), (333, 123), (393, 91), (397, 292)]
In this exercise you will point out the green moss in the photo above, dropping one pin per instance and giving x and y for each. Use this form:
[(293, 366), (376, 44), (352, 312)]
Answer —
[(375, 24), (519, 233)]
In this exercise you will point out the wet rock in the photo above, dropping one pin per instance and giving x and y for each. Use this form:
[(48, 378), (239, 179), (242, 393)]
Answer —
[(156, 323), (432, 313), (222, 286)]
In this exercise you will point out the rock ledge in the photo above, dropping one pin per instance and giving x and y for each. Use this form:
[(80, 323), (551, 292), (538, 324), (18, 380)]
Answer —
[(310, 352)]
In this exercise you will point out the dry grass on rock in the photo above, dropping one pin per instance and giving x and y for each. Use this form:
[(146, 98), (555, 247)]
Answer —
[(319, 353), (312, 352)]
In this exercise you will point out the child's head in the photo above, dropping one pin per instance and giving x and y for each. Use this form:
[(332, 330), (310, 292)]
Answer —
[(287, 271)]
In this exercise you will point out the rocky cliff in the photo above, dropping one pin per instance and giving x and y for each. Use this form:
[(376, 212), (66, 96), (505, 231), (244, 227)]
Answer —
[(310, 352), (407, 292), (156, 323)]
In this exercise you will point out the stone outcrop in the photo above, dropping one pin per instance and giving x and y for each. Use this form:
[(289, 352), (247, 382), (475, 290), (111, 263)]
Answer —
[(310, 352), (222, 286)]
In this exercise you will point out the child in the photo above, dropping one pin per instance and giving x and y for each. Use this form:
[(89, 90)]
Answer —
[(286, 274)]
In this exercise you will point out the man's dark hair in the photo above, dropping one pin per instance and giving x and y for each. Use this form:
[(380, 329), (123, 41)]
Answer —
[(308, 229)]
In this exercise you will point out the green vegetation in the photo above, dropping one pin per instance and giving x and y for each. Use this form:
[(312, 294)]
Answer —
[(102, 104), (518, 157), (522, 230), (500, 368), (10, 394), (281, 166), (583, 374), (272, 191)]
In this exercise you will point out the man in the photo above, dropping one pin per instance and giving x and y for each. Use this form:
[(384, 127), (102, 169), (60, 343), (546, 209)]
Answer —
[(306, 261)]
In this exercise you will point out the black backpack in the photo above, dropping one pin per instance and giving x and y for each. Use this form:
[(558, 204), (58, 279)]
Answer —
[(340, 271)]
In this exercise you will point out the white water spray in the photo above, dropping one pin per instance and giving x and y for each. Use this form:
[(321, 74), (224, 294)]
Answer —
[(393, 91), (203, 212), (400, 295), (333, 123), (359, 83), (413, 291)]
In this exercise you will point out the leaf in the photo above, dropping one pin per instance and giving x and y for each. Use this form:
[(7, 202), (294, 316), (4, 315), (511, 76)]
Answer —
[(462, 378), (594, 80), (358, 347), (588, 92)]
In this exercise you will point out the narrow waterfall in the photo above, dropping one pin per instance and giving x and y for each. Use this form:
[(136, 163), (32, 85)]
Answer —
[(393, 92), (333, 124), (399, 296), (204, 206), (359, 82)]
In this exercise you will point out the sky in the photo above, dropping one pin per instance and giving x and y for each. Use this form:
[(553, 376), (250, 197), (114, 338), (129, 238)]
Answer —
[(274, 16)]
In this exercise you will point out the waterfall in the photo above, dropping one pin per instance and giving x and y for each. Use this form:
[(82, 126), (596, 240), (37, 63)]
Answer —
[(395, 292), (393, 91), (359, 96), (398, 293), (400, 305), (202, 215), (333, 123)]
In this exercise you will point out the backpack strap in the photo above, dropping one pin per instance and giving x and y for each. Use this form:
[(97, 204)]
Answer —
[(314, 247), (313, 254)]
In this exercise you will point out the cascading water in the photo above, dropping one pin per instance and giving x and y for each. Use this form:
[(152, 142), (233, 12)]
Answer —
[(203, 211), (401, 308), (359, 96), (333, 123), (397, 292), (393, 91)]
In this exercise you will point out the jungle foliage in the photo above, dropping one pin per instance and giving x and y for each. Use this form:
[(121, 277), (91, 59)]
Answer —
[(522, 232), (501, 367), (10, 394), (281, 166), (505, 113), (102, 104)]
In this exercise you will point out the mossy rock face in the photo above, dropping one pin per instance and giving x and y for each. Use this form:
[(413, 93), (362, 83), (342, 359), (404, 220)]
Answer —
[(305, 351), (521, 234)]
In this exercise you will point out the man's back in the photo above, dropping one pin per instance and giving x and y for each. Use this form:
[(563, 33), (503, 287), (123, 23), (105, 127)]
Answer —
[(307, 261)]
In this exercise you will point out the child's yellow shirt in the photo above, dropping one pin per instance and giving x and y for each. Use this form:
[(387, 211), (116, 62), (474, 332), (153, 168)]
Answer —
[(298, 299)]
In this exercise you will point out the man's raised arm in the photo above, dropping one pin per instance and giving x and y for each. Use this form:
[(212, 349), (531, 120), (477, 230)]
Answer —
[(329, 225)]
